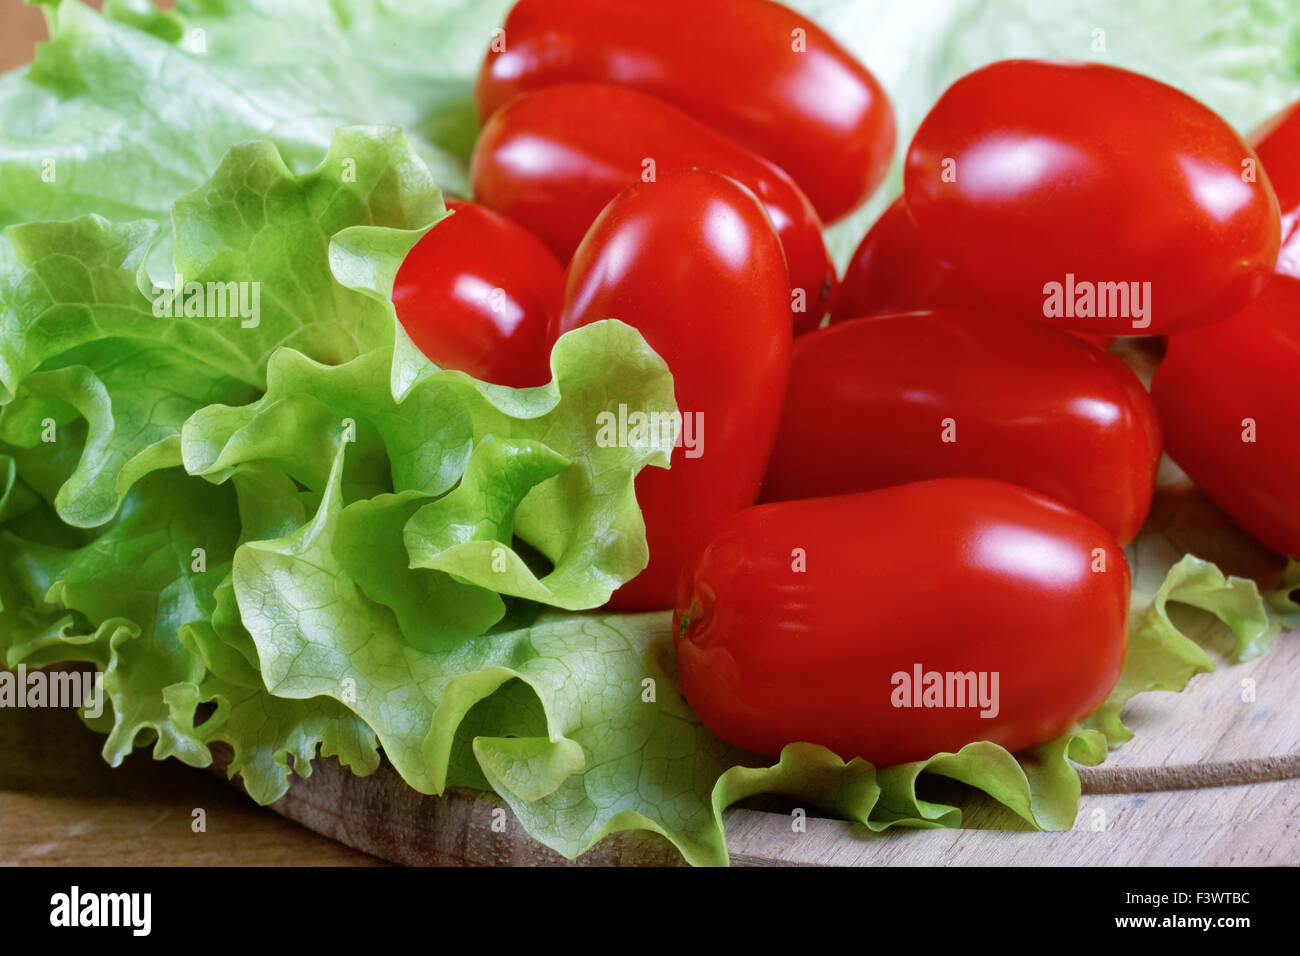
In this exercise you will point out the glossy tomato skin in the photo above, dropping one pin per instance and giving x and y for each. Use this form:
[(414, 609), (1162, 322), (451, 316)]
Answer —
[(693, 263), (551, 160), (893, 270), (950, 392), (1220, 386), (794, 621), (480, 294), (1027, 173), (1277, 141), (732, 64)]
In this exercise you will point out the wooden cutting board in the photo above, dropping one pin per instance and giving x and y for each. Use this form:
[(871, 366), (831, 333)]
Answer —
[(1210, 778), (1254, 824), (1212, 775)]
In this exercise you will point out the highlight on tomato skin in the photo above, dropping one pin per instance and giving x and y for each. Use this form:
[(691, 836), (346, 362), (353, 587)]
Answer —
[(758, 72), (889, 399), (691, 261), (552, 159), (1091, 198), (1227, 396), (1277, 141), (480, 294), (820, 620), (894, 270)]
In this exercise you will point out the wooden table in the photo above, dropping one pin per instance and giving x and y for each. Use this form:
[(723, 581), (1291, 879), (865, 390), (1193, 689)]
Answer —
[(1212, 778), (1154, 802), (61, 804)]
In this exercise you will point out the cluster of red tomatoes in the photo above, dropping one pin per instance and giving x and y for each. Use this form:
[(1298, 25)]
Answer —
[(951, 467)]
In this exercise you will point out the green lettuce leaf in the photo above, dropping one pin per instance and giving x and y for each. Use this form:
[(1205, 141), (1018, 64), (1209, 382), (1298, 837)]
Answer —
[(1161, 657), (116, 420), (88, 127), (63, 285), (270, 736), (27, 622), (134, 401), (611, 760), (153, 570), (563, 492), (74, 303)]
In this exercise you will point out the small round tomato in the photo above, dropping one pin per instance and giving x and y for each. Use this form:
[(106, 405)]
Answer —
[(692, 262), (479, 293), (755, 71), (896, 398), (901, 623), (553, 159), (1227, 397), (1278, 143), (1091, 198)]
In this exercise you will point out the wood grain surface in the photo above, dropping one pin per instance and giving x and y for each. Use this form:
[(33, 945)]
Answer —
[(62, 805), (1257, 824), (1170, 797), (1210, 778), (1254, 824), (1236, 725)]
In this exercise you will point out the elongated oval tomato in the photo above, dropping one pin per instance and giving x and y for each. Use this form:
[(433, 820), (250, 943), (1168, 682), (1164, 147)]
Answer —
[(950, 392), (893, 270), (1228, 397), (1277, 141), (480, 294), (757, 72), (823, 620), (551, 160), (1092, 198), (693, 263)]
